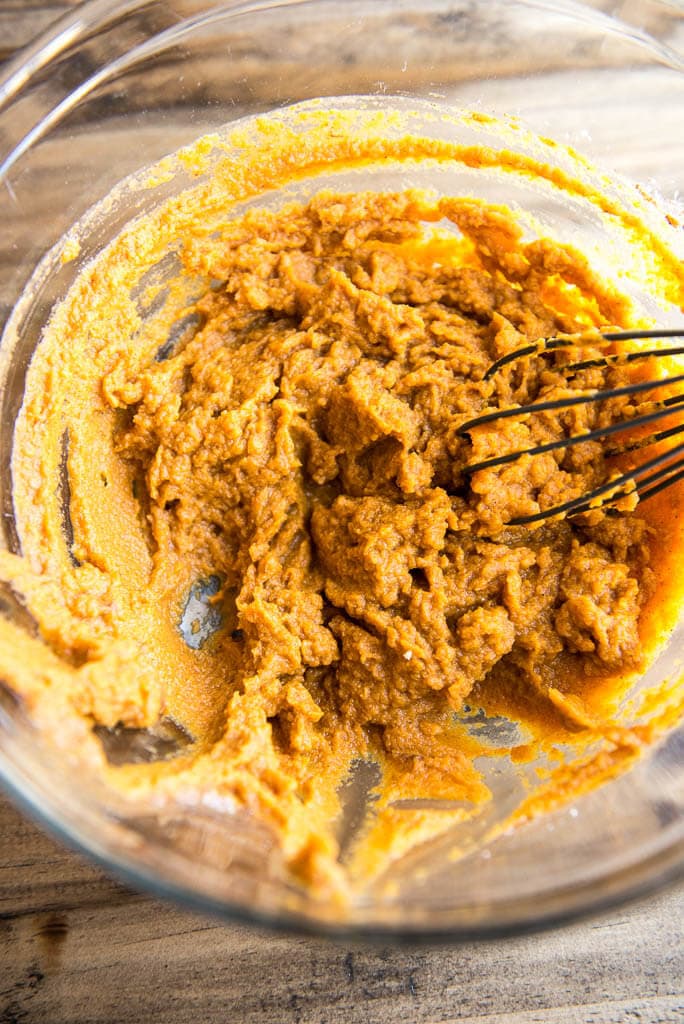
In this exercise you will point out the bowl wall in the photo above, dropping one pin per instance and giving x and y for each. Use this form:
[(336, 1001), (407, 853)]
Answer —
[(116, 87)]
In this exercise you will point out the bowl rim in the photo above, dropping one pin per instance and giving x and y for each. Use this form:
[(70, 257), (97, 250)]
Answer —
[(662, 869)]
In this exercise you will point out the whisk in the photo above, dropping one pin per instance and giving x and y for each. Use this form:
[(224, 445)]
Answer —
[(649, 478)]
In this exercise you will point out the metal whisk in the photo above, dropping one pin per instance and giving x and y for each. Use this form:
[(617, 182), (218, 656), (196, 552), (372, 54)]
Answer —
[(649, 478)]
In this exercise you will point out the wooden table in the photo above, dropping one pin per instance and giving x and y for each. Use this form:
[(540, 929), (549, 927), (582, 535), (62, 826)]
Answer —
[(76, 947)]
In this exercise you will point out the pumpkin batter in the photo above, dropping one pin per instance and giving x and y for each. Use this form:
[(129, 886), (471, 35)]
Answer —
[(293, 452)]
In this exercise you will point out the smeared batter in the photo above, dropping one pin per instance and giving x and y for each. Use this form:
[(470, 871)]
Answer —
[(292, 450)]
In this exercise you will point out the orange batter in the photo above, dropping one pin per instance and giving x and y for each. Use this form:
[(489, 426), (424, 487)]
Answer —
[(264, 533)]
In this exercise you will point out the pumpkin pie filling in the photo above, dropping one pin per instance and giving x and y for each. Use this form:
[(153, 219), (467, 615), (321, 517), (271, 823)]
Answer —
[(266, 533)]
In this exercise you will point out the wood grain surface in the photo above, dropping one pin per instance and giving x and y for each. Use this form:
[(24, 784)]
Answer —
[(79, 948)]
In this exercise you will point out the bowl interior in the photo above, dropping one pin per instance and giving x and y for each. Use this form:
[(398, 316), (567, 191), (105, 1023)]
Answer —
[(140, 81)]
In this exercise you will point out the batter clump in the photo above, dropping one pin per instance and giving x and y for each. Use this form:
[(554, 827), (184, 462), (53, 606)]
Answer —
[(298, 444), (303, 446)]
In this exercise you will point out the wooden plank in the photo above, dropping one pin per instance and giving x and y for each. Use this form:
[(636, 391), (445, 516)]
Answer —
[(76, 948), (37, 874)]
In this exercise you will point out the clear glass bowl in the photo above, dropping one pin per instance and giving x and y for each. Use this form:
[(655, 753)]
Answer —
[(113, 87)]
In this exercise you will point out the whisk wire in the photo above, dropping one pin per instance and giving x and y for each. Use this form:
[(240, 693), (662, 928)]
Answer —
[(618, 487), (620, 358), (648, 479), (567, 403), (551, 344), (591, 435)]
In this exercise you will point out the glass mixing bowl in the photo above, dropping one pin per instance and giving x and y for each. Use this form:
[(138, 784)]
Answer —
[(112, 88)]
